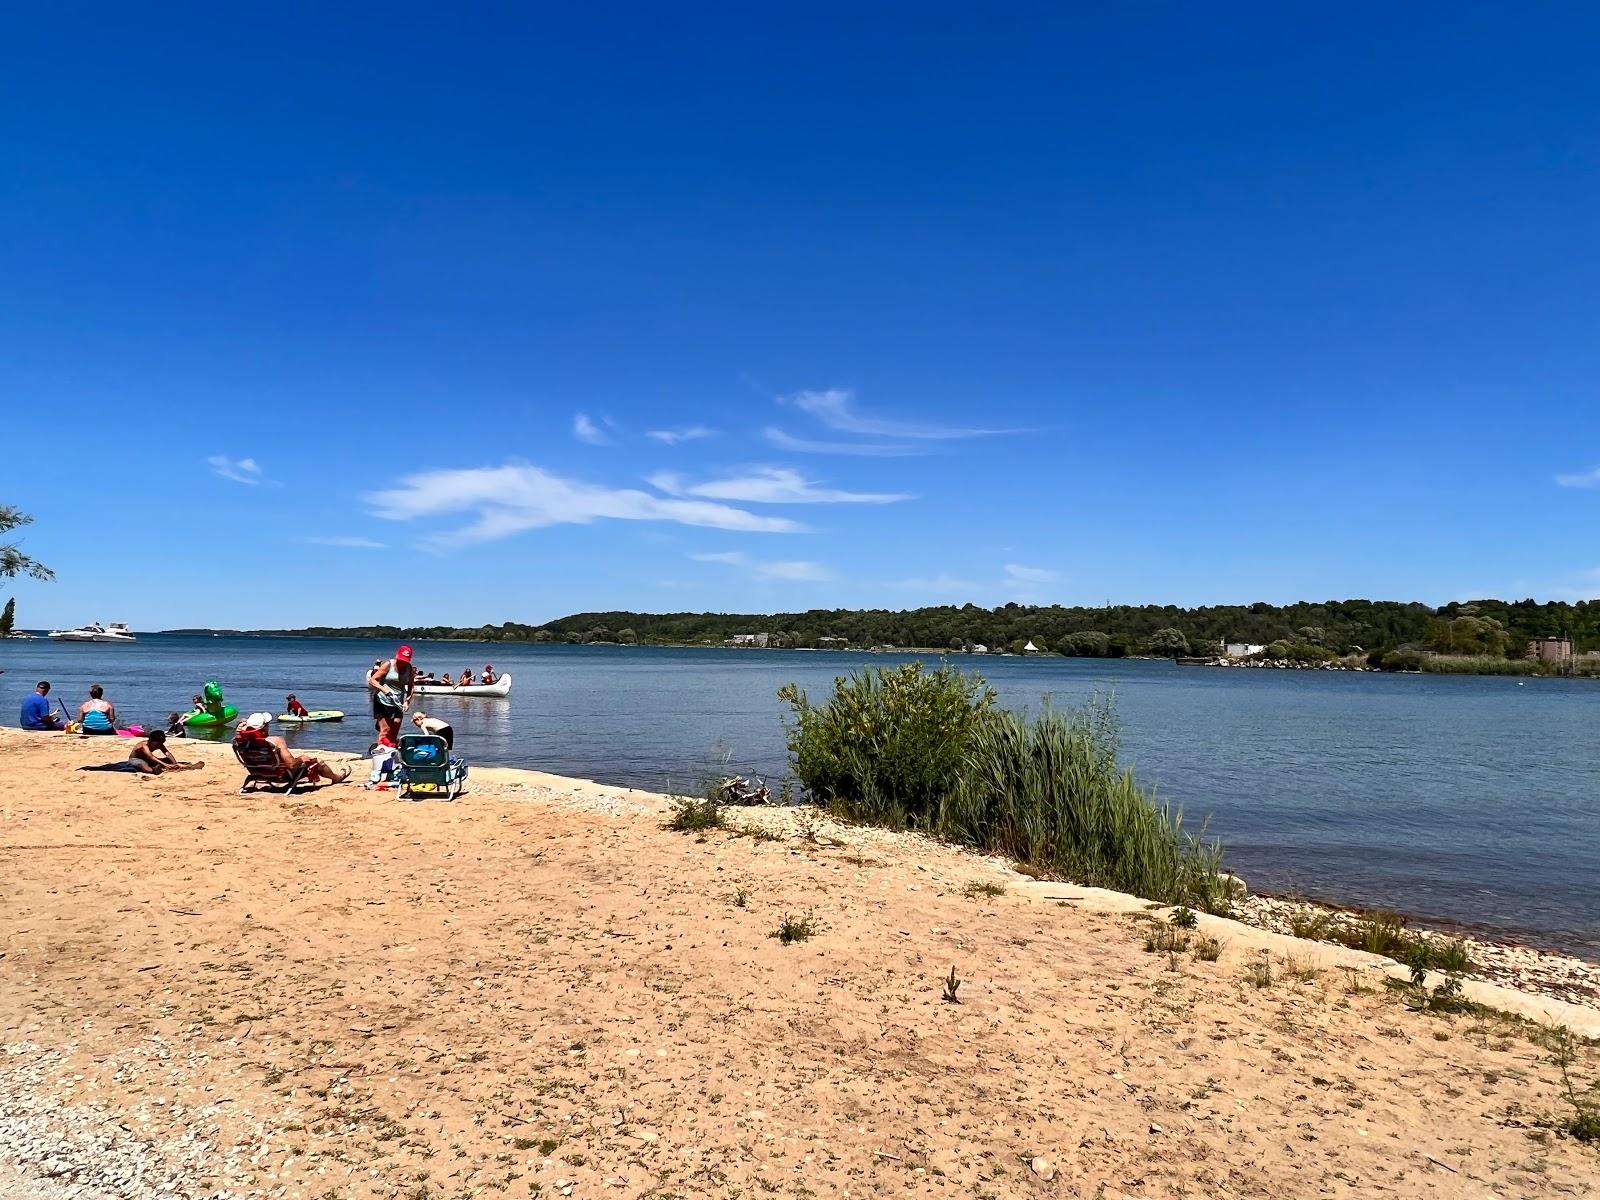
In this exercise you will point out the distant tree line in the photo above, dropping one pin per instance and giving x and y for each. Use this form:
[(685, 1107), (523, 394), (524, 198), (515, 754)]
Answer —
[(1304, 632)]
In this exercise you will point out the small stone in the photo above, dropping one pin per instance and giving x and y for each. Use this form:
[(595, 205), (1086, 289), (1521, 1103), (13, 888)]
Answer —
[(1154, 1128), (1042, 1167)]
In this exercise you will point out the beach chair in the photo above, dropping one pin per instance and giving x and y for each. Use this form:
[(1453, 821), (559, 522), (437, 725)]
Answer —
[(427, 768), (259, 758)]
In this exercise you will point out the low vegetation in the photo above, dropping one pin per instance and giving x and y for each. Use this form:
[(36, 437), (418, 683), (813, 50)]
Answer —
[(1384, 933), (695, 814), (928, 750), (1582, 1118), (795, 929), (952, 985)]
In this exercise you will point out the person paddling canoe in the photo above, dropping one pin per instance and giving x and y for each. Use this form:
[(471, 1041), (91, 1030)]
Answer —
[(392, 681)]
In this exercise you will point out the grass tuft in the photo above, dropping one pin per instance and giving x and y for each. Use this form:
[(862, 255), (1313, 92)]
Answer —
[(795, 929), (985, 888), (1165, 939), (692, 814), (952, 984), (1259, 973)]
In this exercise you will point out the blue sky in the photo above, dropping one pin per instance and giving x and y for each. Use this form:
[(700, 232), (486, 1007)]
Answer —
[(403, 316)]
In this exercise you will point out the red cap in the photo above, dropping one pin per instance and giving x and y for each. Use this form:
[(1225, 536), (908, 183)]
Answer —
[(403, 654)]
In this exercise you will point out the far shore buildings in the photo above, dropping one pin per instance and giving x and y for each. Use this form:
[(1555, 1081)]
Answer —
[(1241, 649), (759, 640), (1551, 650)]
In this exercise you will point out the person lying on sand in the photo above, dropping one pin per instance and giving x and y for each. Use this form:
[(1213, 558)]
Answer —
[(255, 728)]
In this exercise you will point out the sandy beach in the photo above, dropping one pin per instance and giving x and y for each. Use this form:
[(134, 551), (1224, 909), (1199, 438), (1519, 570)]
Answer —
[(539, 991)]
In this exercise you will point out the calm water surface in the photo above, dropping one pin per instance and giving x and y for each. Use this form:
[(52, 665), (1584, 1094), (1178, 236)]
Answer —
[(1458, 798)]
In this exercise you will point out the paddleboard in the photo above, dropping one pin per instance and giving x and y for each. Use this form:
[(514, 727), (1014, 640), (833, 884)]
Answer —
[(316, 714)]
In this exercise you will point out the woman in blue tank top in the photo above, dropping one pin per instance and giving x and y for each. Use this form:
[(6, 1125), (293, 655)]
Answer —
[(97, 714)]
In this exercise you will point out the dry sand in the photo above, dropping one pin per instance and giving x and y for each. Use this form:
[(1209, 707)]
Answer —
[(537, 990)]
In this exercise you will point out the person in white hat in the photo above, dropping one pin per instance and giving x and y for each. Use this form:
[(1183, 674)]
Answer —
[(254, 728)]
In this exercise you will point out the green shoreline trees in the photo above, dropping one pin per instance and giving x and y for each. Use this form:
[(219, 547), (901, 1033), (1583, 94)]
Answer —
[(1306, 632)]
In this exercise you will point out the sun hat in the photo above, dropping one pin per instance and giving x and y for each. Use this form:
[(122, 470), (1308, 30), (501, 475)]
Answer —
[(258, 720), (403, 654)]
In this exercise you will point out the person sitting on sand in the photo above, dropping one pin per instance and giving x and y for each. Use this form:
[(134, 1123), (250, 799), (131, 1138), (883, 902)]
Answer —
[(296, 709), (97, 714), (36, 712), (254, 728), (488, 673), (151, 756), (465, 679), (175, 726), (435, 726), (392, 682)]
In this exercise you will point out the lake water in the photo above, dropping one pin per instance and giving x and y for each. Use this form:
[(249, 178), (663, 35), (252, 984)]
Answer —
[(1456, 798)]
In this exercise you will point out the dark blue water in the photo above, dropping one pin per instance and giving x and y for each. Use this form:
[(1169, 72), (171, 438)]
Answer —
[(1459, 798)]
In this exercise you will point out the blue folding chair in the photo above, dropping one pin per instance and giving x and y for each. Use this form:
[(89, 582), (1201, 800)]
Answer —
[(427, 768)]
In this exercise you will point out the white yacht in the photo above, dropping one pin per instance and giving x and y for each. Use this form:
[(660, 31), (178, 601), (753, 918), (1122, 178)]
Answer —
[(95, 632)]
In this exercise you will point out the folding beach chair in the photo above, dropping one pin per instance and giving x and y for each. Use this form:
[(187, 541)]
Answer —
[(427, 768), (259, 758)]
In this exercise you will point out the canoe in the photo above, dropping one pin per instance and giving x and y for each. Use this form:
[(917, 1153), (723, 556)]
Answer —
[(500, 687), (316, 714)]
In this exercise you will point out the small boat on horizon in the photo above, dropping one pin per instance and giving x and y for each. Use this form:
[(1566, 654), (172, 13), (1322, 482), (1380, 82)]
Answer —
[(117, 631)]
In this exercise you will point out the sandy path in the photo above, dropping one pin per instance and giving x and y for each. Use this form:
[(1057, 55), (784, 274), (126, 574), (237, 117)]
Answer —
[(341, 995)]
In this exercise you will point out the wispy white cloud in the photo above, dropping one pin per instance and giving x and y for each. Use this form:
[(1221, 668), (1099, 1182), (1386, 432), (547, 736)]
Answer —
[(943, 585), (1580, 479), (240, 470), (585, 430), (800, 445), (685, 433), (835, 408), (1017, 573), (790, 571), (768, 485), (347, 543), (509, 499), (1015, 582)]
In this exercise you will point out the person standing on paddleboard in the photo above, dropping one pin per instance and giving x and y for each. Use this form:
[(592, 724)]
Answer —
[(392, 680)]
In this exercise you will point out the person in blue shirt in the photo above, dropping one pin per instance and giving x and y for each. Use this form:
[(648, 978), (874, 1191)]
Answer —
[(36, 712)]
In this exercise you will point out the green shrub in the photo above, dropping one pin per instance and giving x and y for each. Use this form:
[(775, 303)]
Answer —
[(902, 747), (1048, 791), (891, 745), (692, 814)]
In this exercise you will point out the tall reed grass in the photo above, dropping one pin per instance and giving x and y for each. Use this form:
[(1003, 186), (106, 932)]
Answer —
[(900, 747)]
